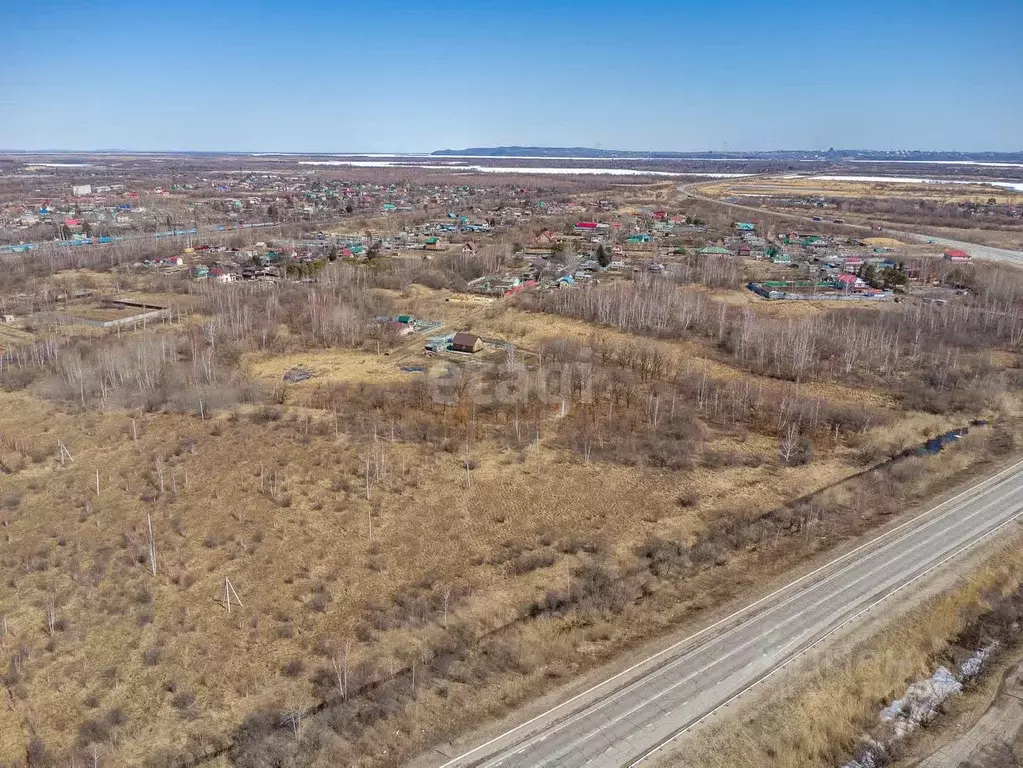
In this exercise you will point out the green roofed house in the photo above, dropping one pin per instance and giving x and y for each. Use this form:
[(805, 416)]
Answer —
[(638, 239), (745, 226), (714, 250)]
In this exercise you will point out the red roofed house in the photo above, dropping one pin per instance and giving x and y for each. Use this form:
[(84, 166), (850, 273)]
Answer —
[(849, 281), (954, 254), (852, 263), (586, 226)]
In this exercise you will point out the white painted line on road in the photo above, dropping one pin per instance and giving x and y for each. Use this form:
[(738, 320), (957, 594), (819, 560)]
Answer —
[(824, 637), (991, 481), (789, 621)]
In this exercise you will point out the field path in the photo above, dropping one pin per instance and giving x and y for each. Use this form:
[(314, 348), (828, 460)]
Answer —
[(999, 725)]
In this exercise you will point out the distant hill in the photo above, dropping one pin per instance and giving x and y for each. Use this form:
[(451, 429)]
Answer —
[(563, 152), (788, 154)]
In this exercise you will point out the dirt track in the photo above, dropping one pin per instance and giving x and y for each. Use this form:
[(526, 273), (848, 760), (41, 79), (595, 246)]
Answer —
[(998, 726)]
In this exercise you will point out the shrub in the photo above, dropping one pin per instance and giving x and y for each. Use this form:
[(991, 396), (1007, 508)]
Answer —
[(93, 731), (36, 753), (116, 717), (688, 498), (321, 600), (665, 557), (531, 561), (183, 700)]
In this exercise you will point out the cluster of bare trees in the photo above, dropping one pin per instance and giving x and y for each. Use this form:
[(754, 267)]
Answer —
[(964, 214), (626, 402), (641, 402), (183, 364), (936, 344), (648, 305), (716, 272), (921, 349)]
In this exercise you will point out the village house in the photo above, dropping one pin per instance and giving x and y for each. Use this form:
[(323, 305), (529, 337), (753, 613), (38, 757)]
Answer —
[(957, 255), (466, 342), (714, 250), (591, 228), (850, 282), (499, 285)]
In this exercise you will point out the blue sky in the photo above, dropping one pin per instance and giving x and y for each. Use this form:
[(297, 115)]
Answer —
[(396, 75)]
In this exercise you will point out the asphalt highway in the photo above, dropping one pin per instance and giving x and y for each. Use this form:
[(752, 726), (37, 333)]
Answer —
[(627, 718)]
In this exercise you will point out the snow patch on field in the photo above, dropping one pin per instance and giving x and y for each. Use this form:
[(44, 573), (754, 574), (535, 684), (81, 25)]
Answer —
[(919, 705)]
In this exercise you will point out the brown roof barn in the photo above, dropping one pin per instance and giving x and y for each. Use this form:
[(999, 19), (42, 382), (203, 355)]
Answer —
[(466, 342)]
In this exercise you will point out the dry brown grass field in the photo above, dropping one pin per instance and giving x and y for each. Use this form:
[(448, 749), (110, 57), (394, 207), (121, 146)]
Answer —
[(817, 187), (975, 213), (402, 554)]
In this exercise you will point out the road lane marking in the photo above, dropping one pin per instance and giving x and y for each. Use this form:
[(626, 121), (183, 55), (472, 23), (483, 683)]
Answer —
[(827, 597), (821, 639), (980, 489)]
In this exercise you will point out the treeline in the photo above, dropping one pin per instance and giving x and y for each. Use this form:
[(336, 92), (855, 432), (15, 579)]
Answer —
[(965, 214), (622, 402), (194, 366), (927, 353)]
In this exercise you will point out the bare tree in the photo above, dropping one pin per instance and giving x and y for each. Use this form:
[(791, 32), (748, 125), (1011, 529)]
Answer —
[(788, 448), (341, 670), (152, 543)]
